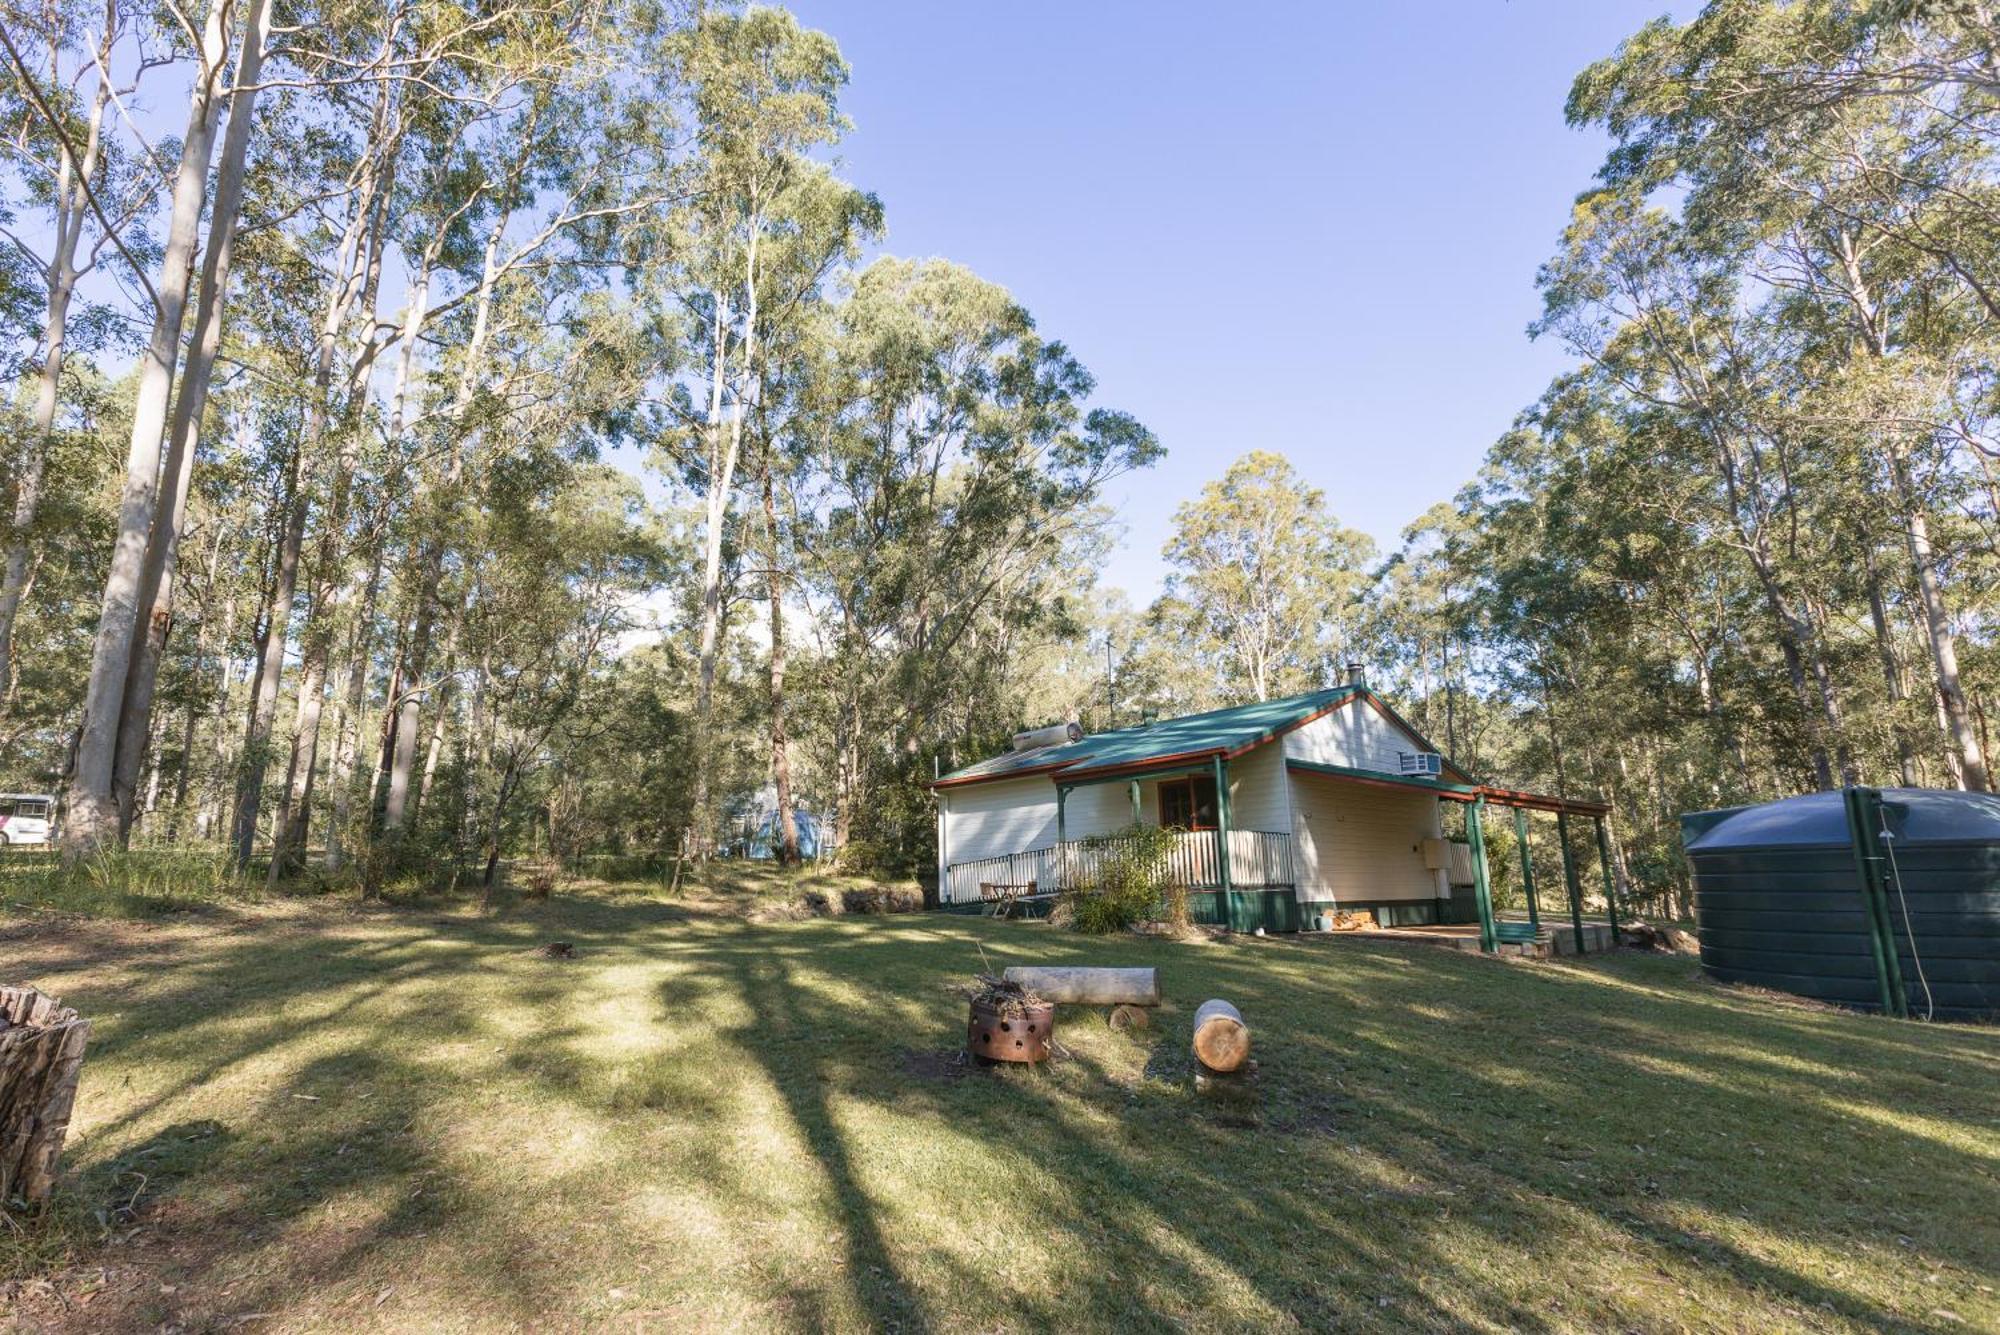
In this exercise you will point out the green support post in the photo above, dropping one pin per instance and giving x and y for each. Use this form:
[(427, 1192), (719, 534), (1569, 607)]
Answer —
[(1482, 889), (1527, 866), (1137, 809), (1222, 839), (1569, 879), (1610, 880), (1062, 798)]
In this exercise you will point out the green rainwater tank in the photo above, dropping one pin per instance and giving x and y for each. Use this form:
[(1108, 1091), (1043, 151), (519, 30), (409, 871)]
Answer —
[(1779, 900)]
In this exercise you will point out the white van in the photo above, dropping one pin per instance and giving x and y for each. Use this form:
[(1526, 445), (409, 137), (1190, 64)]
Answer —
[(24, 817)]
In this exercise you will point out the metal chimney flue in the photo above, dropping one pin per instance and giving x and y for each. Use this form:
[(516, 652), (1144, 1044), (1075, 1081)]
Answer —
[(1357, 674)]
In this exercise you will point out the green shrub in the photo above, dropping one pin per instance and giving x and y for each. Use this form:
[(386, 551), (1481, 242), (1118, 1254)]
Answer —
[(1127, 881)]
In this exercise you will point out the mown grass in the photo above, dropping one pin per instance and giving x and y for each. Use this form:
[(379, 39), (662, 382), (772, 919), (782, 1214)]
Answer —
[(400, 1119)]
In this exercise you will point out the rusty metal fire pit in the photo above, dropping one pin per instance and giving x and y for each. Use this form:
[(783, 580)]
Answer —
[(1014, 1033)]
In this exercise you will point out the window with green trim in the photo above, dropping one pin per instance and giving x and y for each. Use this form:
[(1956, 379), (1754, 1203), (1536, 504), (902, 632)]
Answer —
[(1188, 804)]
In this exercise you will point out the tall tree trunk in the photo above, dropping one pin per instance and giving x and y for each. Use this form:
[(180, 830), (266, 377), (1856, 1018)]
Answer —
[(92, 817), (347, 730), (288, 839), (392, 707), (1892, 673), (156, 576), (434, 748), (263, 711), (329, 582), (1969, 757), (191, 719), (212, 789), (430, 549), (153, 773), (72, 183), (1828, 690), (724, 450), (781, 752), (696, 840), (204, 642), (350, 280)]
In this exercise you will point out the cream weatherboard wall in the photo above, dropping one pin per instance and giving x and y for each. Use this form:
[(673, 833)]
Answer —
[(1257, 797), (1359, 844), (991, 820), (1096, 808), (1354, 736)]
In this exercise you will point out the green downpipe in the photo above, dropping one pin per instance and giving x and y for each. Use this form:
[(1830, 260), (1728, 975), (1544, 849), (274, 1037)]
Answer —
[(1482, 890), (1569, 879), (1864, 825)]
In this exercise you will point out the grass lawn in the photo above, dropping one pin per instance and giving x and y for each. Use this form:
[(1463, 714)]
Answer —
[(300, 1115)]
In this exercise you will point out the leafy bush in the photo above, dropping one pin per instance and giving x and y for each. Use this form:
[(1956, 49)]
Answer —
[(1126, 880)]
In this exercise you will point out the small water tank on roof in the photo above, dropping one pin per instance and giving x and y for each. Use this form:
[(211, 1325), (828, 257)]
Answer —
[(1779, 899), (1056, 734)]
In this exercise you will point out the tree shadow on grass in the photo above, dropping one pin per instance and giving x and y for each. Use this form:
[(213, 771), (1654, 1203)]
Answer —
[(1443, 1141), (1473, 1117)]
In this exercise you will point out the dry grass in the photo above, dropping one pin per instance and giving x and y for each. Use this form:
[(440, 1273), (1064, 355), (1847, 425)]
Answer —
[(299, 1116)]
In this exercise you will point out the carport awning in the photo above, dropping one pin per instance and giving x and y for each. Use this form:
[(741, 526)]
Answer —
[(1455, 792)]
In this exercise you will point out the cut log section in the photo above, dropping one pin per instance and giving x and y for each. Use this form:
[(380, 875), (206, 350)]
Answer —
[(1221, 1039), (1129, 1017), (41, 1056), (1089, 987)]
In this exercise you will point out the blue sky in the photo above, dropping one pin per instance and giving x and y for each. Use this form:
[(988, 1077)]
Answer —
[(1311, 228)]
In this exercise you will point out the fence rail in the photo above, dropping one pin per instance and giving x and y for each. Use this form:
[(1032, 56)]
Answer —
[(1258, 860)]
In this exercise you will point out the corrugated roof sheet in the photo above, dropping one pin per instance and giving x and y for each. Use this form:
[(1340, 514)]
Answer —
[(1191, 734)]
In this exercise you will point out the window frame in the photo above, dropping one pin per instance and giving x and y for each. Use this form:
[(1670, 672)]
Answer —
[(1186, 784)]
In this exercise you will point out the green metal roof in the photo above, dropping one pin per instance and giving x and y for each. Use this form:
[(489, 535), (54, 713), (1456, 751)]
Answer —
[(1217, 731)]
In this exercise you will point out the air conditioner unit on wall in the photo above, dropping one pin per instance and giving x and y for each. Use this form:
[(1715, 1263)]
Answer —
[(1428, 764)]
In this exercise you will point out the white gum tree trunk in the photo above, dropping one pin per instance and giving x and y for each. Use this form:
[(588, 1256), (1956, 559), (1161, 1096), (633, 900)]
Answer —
[(156, 577), (93, 812)]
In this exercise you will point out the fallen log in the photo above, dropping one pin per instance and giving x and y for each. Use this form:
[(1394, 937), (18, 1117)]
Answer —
[(41, 1056), (1221, 1039), (1088, 986)]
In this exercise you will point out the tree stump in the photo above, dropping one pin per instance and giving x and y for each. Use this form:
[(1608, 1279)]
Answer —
[(41, 1056)]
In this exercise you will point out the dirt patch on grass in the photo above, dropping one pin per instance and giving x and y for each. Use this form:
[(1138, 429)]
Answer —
[(935, 1064)]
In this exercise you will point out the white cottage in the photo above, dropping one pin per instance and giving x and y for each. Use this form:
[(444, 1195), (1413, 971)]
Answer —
[(1288, 808)]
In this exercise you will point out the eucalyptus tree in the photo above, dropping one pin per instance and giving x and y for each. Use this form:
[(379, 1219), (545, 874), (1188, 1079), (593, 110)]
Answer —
[(1666, 327), (1415, 625), (554, 153), (92, 816), (822, 224), (79, 176), (959, 473), (1268, 582), (744, 260), (568, 565), (1848, 157)]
